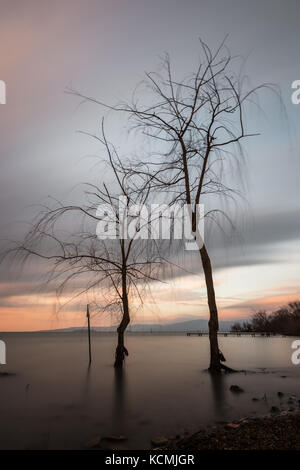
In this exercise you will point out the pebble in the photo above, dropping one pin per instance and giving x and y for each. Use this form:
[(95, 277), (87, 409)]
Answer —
[(93, 442), (274, 409), (159, 441), (236, 389)]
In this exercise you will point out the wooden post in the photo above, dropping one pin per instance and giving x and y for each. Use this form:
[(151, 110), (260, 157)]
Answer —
[(89, 332)]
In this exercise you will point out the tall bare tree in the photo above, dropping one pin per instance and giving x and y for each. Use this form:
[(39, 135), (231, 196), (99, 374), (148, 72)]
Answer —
[(117, 265), (195, 128)]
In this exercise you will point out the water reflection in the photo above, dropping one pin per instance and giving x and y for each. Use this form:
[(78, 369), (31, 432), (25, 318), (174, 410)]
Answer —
[(160, 391), (119, 401), (218, 394), (86, 385)]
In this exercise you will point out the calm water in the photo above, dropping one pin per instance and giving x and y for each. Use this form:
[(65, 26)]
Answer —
[(55, 401)]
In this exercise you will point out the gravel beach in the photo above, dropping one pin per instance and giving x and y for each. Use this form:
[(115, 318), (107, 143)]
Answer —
[(280, 432)]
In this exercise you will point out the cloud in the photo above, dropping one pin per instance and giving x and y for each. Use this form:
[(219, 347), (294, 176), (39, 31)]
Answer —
[(97, 49), (289, 291)]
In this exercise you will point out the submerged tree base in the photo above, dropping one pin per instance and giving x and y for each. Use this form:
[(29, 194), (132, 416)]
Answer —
[(121, 353), (228, 369), (218, 369)]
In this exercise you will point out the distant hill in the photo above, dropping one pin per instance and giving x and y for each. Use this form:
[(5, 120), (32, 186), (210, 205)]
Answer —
[(183, 326), (190, 325)]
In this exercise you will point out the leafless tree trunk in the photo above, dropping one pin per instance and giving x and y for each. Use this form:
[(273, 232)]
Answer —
[(121, 351), (213, 324)]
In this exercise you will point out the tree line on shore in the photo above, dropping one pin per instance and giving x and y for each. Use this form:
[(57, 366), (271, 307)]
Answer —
[(285, 321)]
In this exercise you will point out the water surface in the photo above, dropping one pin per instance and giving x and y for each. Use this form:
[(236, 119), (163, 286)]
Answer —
[(54, 401)]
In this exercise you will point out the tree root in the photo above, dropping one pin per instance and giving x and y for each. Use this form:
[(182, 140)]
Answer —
[(222, 367), (228, 369)]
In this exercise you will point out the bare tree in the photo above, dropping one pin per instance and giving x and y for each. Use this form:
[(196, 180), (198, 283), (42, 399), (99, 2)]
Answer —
[(196, 128), (119, 266), (285, 321)]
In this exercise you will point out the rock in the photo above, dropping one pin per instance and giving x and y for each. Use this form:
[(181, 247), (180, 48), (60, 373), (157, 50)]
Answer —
[(232, 426), (280, 394), (236, 389), (243, 420), (93, 442), (283, 376), (113, 442), (116, 438), (255, 399), (159, 441), (274, 409)]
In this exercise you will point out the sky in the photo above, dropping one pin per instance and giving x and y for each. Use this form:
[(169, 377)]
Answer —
[(102, 48)]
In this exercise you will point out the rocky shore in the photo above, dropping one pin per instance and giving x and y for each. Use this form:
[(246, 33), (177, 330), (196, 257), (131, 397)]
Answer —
[(279, 430), (274, 432)]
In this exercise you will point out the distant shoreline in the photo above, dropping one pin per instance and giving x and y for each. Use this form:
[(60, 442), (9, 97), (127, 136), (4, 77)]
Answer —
[(198, 324), (109, 332)]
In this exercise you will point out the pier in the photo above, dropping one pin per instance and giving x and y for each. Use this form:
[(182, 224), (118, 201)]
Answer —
[(232, 333)]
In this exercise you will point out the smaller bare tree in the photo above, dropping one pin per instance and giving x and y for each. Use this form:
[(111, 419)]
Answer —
[(108, 261)]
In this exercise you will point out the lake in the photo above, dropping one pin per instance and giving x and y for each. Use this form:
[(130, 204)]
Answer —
[(54, 401)]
